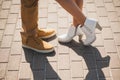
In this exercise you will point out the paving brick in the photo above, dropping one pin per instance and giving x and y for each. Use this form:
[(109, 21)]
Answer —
[(52, 17), (38, 75), (25, 71), (105, 78), (90, 7), (6, 41), (17, 36), (63, 22), (15, 2), (102, 64), (42, 23), (114, 61), (77, 69), (115, 26), (90, 1), (38, 62), (16, 48), (52, 7), (100, 53), (64, 74), (104, 73), (53, 57), (63, 49), (118, 11), (77, 79), (1, 34), (112, 16), (101, 11), (99, 3), (14, 62), (110, 46), (99, 40), (90, 74), (51, 70), (43, 12), (15, 9), (2, 23), (27, 56), (104, 21), (115, 74), (116, 3), (92, 15), (12, 18), (9, 29), (66, 64), (4, 55), (107, 33), (52, 1), (62, 31), (89, 61), (4, 13), (2, 70), (107, 1), (12, 75), (62, 13), (109, 7), (1, 2), (116, 38), (19, 24), (6, 4), (75, 56), (43, 4)]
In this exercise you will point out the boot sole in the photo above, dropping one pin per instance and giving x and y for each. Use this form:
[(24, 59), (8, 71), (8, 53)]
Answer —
[(40, 51), (46, 37)]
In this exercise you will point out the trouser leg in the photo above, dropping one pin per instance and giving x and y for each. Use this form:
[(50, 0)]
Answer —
[(29, 15)]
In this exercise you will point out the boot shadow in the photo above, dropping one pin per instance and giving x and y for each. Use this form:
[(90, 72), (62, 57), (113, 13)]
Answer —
[(93, 59), (40, 66)]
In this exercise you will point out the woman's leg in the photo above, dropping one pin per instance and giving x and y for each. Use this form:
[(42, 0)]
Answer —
[(73, 9), (80, 5)]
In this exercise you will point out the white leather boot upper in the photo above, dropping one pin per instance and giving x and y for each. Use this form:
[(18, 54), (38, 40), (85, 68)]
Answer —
[(72, 32), (89, 29)]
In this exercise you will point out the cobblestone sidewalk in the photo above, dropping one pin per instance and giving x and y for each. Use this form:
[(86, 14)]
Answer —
[(72, 61)]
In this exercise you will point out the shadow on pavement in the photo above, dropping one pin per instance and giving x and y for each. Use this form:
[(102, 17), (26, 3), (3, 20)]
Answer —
[(40, 66), (93, 59)]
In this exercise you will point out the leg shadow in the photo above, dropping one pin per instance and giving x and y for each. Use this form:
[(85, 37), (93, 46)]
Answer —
[(93, 59), (40, 66)]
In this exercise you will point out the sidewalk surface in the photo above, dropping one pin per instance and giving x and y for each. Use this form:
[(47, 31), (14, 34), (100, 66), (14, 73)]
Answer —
[(72, 61)]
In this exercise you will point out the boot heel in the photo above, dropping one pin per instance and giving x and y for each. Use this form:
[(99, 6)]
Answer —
[(98, 27), (80, 37)]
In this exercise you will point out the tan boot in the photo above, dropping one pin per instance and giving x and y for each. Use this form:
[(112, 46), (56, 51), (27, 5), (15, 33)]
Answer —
[(46, 33), (35, 43)]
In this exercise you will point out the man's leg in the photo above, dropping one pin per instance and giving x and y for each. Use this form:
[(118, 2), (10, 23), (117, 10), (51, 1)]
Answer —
[(29, 14), (30, 37)]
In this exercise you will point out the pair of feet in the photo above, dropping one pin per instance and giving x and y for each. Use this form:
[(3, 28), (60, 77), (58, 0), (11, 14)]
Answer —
[(37, 44)]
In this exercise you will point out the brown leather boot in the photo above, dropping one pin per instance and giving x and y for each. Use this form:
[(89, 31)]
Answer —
[(46, 33), (35, 43)]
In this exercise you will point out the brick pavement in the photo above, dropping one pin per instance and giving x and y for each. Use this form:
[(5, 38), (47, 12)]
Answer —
[(72, 61)]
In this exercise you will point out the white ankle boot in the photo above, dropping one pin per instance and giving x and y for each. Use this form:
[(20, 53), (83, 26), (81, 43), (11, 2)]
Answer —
[(89, 29), (72, 32)]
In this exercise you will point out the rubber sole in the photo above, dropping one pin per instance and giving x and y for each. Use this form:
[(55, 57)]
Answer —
[(46, 37), (40, 51)]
